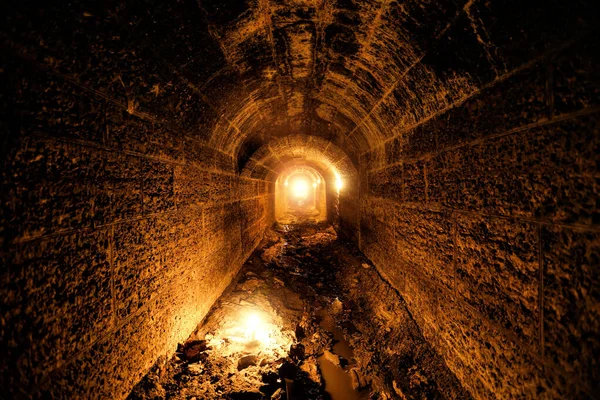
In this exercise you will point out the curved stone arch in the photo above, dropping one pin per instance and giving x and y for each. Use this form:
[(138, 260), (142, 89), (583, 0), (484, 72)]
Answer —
[(356, 69), (271, 159), (308, 170), (251, 115)]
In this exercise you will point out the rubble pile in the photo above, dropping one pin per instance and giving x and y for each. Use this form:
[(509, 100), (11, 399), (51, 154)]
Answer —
[(302, 322)]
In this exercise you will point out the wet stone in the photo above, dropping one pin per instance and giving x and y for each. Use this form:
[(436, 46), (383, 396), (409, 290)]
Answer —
[(192, 351), (246, 362)]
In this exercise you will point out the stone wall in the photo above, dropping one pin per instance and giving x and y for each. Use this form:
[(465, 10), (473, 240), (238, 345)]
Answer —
[(485, 217), (257, 206), (119, 229)]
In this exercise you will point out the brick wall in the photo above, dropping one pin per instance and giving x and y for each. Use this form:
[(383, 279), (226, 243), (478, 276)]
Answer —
[(257, 206), (119, 231), (485, 216)]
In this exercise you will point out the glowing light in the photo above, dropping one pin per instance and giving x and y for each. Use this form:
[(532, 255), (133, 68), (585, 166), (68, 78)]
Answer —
[(300, 188), (256, 328), (251, 330), (338, 183), (315, 184), (286, 183)]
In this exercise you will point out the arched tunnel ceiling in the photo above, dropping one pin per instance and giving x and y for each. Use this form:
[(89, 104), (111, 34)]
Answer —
[(281, 154), (303, 170), (319, 67), (312, 169), (237, 73)]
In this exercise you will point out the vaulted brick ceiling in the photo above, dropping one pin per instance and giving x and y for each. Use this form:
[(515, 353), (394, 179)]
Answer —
[(327, 68), (356, 73), (342, 70), (237, 73)]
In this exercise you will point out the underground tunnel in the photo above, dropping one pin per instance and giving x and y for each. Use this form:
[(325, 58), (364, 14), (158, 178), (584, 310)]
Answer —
[(300, 199)]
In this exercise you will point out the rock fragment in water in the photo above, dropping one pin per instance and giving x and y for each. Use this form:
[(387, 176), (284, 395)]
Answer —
[(357, 378), (195, 369), (297, 352), (337, 307), (332, 358), (278, 395), (310, 367), (246, 361)]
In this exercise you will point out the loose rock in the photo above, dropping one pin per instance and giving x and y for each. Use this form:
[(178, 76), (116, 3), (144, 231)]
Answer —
[(246, 361)]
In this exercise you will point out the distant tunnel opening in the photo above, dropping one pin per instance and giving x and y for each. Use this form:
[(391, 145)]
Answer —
[(331, 189), (300, 195)]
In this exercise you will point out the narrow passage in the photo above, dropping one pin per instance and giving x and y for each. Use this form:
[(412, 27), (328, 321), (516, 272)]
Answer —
[(308, 317)]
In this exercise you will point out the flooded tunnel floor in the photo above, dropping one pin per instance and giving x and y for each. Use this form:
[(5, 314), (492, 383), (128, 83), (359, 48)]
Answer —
[(307, 317)]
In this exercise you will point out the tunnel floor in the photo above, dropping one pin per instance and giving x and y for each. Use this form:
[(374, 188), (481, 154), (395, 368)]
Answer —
[(300, 216), (308, 317)]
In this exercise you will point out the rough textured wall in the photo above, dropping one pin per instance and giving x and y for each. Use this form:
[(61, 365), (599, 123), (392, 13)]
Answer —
[(119, 225), (118, 235), (257, 207), (485, 217)]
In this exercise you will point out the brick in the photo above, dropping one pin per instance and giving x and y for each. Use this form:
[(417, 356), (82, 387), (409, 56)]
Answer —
[(497, 272), (55, 107), (544, 173), (191, 186), (571, 300), (65, 200), (114, 357), (414, 182), (130, 133), (517, 101), (575, 77), (502, 365), (122, 177), (424, 240), (70, 276), (137, 261), (157, 186)]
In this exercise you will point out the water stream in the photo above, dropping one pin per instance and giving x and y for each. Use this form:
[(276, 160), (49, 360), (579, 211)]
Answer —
[(338, 383)]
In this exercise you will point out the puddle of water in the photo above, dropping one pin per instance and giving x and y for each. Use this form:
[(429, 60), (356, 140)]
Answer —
[(337, 381), (342, 346)]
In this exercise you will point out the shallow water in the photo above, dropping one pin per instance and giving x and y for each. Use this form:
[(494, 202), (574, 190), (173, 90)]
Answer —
[(337, 381)]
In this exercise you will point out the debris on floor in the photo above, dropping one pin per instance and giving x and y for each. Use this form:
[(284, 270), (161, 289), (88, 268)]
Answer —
[(306, 318)]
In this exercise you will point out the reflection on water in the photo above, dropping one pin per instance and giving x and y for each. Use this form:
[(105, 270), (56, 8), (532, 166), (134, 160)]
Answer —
[(337, 379)]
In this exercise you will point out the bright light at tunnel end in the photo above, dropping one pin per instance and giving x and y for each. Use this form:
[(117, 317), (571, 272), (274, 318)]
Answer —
[(300, 188)]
